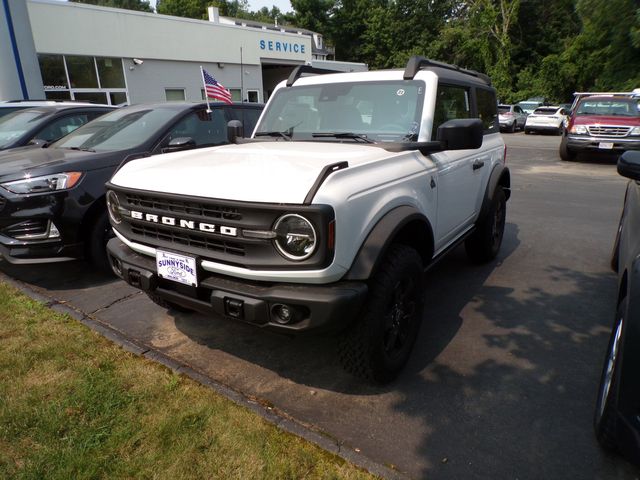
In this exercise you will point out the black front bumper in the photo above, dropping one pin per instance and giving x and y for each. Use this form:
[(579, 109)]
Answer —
[(583, 143), (315, 307)]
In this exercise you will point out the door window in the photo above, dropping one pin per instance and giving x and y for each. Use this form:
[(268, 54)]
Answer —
[(452, 102), (204, 128), (487, 110)]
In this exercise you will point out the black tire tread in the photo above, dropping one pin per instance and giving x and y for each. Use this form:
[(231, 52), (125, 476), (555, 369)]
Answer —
[(355, 344), (478, 246)]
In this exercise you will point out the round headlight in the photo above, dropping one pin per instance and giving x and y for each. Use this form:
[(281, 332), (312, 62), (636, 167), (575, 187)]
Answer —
[(113, 206), (295, 237)]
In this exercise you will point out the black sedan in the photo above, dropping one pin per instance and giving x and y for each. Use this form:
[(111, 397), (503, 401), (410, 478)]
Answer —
[(617, 415), (40, 126), (52, 200)]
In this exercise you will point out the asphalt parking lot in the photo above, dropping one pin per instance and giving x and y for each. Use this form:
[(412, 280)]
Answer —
[(503, 379)]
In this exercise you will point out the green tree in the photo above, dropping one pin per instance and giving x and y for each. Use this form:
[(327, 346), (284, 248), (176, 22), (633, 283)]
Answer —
[(139, 5), (183, 8)]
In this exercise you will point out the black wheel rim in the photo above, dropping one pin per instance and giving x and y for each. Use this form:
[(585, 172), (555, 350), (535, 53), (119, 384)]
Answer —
[(400, 318)]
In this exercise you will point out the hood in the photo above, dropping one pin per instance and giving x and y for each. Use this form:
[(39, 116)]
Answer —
[(14, 163), (605, 120), (271, 172)]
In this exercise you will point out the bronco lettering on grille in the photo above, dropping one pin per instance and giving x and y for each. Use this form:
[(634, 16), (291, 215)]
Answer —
[(188, 224)]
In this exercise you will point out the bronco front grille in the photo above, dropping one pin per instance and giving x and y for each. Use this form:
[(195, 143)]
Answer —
[(608, 131), (173, 206), (188, 239)]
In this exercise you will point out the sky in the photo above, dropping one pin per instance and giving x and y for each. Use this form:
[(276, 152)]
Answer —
[(283, 5)]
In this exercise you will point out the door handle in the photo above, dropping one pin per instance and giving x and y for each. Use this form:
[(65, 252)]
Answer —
[(478, 164)]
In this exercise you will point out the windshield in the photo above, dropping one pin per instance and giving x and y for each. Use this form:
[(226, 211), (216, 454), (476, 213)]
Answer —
[(616, 108), (118, 130), (16, 124), (385, 111)]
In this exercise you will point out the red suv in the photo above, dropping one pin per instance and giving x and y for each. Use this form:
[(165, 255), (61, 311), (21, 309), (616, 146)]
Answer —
[(602, 123)]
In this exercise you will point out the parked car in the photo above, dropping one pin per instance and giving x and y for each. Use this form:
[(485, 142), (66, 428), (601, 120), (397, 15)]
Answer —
[(52, 200), (528, 106), (39, 126), (10, 106), (547, 119), (511, 117), (602, 123), (617, 420)]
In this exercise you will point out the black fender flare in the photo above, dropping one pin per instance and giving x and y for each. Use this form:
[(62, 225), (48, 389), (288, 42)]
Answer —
[(500, 175), (405, 224)]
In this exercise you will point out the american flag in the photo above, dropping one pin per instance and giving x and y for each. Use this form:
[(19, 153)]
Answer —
[(214, 89)]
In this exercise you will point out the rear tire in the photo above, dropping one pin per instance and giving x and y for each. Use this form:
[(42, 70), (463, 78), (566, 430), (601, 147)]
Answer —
[(605, 415), (512, 128), (566, 153), (484, 244), (378, 345), (100, 233)]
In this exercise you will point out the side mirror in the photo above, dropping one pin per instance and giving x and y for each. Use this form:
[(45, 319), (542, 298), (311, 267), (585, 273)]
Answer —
[(629, 165), (235, 130), (460, 134), (39, 142), (179, 143)]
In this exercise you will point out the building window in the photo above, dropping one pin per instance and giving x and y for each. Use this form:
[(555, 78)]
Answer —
[(82, 72), (54, 75), (236, 94), (99, 79), (253, 96), (110, 72), (174, 94)]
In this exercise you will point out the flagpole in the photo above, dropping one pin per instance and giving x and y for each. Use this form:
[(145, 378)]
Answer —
[(204, 84)]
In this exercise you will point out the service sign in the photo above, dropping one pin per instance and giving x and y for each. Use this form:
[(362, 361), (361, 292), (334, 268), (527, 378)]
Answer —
[(175, 267)]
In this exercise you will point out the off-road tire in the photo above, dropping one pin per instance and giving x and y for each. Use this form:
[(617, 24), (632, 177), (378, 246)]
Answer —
[(99, 234), (484, 244), (604, 420), (566, 153), (378, 344), (161, 302)]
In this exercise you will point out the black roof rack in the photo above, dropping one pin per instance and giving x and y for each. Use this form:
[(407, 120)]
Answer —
[(415, 64), (302, 69)]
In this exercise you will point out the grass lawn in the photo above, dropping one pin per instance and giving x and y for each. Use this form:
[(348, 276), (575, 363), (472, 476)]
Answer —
[(73, 406)]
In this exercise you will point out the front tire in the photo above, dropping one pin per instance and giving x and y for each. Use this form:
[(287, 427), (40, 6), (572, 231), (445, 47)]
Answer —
[(378, 345), (605, 415), (566, 153), (484, 244)]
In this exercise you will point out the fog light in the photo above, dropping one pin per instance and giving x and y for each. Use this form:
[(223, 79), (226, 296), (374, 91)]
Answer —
[(282, 313), (116, 264)]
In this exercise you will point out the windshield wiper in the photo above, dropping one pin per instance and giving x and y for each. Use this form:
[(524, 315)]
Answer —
[(274, 133), (350, 135)]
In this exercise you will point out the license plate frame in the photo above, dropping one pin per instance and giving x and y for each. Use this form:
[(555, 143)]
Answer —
[(177, 267)]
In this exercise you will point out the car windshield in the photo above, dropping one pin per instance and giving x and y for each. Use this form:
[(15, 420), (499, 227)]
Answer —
[(545, 111), (616, 108), (504, 108), (118, 130), (385, 111), (16, 124)]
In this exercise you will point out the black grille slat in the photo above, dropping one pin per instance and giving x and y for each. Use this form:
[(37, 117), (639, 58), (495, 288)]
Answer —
[(188, 239), (183, 207), (29, 227)]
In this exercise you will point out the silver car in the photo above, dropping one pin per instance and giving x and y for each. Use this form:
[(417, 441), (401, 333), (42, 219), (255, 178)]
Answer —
[(511, 117)]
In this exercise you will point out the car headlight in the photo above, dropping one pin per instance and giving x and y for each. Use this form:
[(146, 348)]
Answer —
[(295, 237), (45, 183), (579, 130), (635, 131)]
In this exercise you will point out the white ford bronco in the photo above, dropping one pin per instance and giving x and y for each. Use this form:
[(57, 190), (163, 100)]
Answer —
[(352, 185)]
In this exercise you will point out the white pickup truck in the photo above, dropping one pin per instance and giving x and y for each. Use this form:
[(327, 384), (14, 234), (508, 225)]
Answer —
[(352, 185)]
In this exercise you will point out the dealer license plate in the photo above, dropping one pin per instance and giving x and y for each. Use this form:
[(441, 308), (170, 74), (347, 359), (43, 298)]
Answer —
[(605, 145), (175, 267)]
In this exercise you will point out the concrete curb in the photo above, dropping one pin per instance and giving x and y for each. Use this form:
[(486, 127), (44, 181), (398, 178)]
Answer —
[(270, 414)]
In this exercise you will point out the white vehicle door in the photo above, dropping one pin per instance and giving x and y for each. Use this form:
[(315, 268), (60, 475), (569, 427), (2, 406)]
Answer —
[(460, 172)]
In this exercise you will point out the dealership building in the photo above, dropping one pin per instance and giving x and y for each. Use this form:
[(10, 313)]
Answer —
[(62, 50)]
